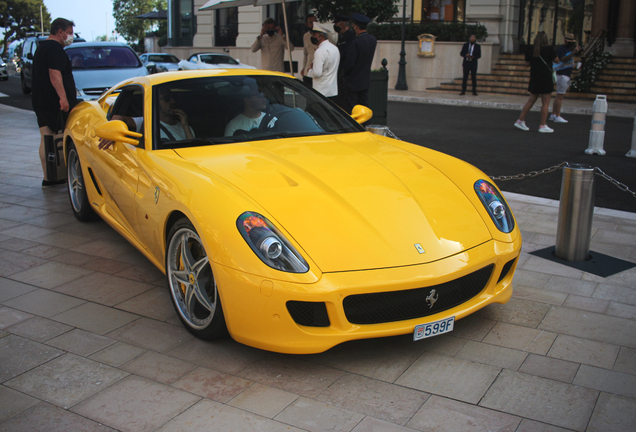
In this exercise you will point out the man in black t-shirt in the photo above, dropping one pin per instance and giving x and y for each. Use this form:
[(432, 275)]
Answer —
[(53, 85)]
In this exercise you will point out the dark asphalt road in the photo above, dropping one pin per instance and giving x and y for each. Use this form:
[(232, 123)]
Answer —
[(486, 138)]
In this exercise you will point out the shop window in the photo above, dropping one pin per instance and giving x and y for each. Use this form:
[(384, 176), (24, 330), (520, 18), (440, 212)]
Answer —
[(182, 23), (443, 10), (296, 15), (226, 27)]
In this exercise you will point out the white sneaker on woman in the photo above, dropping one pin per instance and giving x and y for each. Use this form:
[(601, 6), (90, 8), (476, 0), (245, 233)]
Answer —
[(545, 129), (521, 125)]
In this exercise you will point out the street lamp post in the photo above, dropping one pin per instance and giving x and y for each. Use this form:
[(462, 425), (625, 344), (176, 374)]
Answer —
[(401, 80)]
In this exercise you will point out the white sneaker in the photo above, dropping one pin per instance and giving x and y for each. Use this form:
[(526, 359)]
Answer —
[(552, 116), (559, 119), (545, 129), (521, 125)]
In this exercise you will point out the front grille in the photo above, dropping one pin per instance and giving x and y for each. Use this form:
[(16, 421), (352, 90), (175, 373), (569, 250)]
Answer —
[(95, 91), (393, 306), (312, 314)]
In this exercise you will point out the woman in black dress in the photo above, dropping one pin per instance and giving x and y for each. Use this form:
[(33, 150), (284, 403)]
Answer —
[(539, 57)]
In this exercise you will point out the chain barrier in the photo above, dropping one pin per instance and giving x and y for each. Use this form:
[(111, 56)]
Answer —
[(531, 173), (615, 182), (597, 171)]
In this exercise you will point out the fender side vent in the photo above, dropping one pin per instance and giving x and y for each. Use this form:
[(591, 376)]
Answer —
[(90, 172)]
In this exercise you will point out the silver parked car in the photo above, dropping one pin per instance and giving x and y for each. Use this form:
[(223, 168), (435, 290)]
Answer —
[(162, 62), (97, 66)]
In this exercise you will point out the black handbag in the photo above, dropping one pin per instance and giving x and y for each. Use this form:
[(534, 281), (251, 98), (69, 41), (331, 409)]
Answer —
[(54, 155)]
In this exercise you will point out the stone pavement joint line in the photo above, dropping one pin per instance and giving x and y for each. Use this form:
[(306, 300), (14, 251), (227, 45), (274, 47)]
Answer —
[(86, 344)]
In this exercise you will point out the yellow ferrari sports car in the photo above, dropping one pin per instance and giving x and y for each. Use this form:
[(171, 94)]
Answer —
[(277, 218)]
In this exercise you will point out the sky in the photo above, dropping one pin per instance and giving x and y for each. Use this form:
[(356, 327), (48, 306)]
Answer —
[(92, 18)]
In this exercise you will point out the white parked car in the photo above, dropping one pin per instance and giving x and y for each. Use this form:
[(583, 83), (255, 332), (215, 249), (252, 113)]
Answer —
[(4, 73), (212, 61), (163, 62)]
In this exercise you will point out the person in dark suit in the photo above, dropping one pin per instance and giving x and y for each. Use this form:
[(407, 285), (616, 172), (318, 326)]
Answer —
[(471, 51), (357, 68), (345, 37)]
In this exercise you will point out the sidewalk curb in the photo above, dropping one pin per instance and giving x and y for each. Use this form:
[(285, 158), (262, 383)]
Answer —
[(503, 105), (529, 199)]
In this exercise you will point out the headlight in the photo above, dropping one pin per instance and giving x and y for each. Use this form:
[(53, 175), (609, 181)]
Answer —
[(269, 244), (495, 205)]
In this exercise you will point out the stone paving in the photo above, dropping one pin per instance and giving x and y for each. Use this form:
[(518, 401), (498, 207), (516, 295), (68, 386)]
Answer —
[(89, 340)]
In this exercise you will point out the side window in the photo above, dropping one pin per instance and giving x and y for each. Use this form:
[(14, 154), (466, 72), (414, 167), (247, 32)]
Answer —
[(129, 107), (27, 48)]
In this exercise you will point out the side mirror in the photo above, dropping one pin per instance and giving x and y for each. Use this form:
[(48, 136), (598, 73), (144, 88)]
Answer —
[(116, 130), (195, 60), (152, 67), (237, 60), (29, 56), (361, 113)]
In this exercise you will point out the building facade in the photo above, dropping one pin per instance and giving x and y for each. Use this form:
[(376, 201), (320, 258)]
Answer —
[(511, 24)]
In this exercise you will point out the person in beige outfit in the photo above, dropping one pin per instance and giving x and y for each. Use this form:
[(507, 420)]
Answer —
[(272, 43), (308, 50)]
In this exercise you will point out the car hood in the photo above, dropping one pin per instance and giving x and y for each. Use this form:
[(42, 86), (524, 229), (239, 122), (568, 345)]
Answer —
[(351, 202), (105, 78)]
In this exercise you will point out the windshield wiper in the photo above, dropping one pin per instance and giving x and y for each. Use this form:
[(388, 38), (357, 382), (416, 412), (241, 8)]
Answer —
[(194, 142)]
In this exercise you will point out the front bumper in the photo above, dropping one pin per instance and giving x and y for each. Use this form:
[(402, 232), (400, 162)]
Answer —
[(256, 310)]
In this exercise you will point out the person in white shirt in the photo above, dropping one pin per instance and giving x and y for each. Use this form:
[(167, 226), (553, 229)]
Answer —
[(173, 121), (324, 69), (252, 115)]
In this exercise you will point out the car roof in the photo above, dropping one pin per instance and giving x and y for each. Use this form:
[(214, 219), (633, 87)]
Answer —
[(212, 53), (164, 77), (98, 45)]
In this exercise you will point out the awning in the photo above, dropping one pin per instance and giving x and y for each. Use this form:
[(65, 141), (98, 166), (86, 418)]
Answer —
[(154, 15), (221, 4)]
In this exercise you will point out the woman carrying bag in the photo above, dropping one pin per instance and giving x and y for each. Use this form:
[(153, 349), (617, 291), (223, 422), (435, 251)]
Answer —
[(542, 77)]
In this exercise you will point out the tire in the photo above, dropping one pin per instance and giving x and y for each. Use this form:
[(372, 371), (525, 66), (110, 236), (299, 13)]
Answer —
[(193, 289), (76, 187), (25, 89)]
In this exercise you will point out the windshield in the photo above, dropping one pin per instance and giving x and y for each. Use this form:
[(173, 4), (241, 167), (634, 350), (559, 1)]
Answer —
[(217, 59), (163, 58), (108, 57), (229, 109)]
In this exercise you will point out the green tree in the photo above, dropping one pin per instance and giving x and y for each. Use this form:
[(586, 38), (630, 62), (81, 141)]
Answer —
[(125, 12), (380, 10), (19, 17)]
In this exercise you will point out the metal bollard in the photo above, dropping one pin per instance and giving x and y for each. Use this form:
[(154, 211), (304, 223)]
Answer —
[(632, 152), (597, 132), (576, 207), (378, 129)]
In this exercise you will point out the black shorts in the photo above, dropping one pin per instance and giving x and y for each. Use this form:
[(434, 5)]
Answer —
[(54, 120)]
